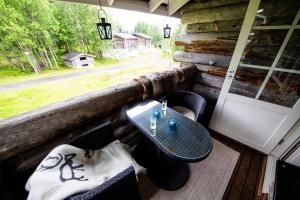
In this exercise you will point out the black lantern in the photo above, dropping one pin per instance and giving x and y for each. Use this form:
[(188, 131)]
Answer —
[(104, 28), (167, 31)]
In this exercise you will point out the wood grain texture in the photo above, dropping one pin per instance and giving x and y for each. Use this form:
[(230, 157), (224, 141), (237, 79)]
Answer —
[(276, 11), (202, 58), (200, 4), (217, 26), (183, 39), (211, 43), (219, 13), (260, 181), (239, 148), (250, 184), (252, 176), (209, 93)]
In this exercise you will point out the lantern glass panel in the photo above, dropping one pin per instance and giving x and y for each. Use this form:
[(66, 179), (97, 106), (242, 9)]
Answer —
[(167, 32), (108, 31)]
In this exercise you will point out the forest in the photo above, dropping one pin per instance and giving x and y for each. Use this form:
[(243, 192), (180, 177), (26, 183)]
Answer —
[(34, 33)]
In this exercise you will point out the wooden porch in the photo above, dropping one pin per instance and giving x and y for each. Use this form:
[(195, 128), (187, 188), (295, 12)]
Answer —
[(208, 47)]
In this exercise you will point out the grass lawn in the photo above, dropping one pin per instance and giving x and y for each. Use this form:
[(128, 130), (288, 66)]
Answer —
[(10, 75), (15, 102)]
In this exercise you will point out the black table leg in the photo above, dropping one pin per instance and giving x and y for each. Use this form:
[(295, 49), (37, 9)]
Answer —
[(169, 174), (166, 172)]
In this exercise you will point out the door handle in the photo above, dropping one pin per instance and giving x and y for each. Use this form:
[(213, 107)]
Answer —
[(230, 77)]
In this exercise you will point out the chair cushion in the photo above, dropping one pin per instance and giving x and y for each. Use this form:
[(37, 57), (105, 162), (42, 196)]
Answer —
[(185, 111)]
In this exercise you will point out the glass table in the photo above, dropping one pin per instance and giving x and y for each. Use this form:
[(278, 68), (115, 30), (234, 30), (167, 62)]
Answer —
[(167, 153)]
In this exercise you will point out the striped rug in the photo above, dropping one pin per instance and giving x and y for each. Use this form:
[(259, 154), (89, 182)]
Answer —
[(208, 178)]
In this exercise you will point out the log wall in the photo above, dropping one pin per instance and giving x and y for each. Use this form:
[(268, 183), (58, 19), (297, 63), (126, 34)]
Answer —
[(212, 30)]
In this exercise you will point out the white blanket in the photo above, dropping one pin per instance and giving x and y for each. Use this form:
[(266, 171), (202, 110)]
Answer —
[(68, 170)]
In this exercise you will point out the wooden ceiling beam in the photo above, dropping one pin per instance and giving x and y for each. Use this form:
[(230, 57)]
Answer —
[(175, 5), (154, 4), (134, 5)]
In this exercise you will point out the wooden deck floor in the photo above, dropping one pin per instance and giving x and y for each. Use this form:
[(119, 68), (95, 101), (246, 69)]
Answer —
[(246, 180)]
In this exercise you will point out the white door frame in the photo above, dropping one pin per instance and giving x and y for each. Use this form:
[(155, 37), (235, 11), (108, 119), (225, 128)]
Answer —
[(291, 114), (287, 142), (237, 54)]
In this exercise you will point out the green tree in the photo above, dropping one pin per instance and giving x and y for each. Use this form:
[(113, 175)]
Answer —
[(142, 27), (149, 29), (36, 30)]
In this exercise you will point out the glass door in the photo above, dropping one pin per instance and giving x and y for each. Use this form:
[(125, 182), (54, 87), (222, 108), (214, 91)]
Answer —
[(269, 69), (260, 94)]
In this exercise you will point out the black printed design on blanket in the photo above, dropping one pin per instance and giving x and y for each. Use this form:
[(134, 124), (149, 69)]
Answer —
[(67, 167), (44, 167)]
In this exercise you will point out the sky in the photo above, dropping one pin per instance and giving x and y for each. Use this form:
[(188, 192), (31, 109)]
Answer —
[(128, 19)]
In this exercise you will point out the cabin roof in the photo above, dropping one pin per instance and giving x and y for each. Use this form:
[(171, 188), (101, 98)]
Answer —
[(73, 55), (124, 35), (142, 35)]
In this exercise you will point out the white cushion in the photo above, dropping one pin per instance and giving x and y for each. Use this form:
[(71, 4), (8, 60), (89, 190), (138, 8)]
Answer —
[(185, 111)]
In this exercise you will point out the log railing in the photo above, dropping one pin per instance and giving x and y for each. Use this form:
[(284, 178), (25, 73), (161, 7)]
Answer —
[(26, 139)]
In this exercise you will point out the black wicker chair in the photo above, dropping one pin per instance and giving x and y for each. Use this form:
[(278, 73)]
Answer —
[(123, 185), (189, 100)]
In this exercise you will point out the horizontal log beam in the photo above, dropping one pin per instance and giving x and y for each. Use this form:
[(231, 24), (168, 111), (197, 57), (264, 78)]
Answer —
[(209, 93), (212, 70), (275, 11), (209, 43), (210, 50), (244, 75), (198, 5), (29, 159), (194, 38), (241, 73), (221, 13), (249, 88), (212, 93), (207, 59), (28, 130), (210, 80), (217, 26)]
